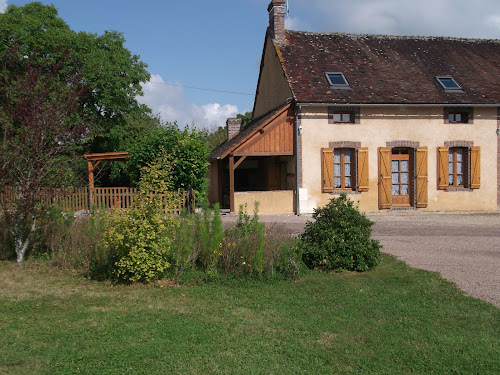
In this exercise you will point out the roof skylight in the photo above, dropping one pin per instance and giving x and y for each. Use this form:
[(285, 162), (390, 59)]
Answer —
[(337, 80), (448, 83)]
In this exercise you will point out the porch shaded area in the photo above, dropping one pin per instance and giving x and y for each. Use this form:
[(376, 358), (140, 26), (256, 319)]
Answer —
[(257, 164)]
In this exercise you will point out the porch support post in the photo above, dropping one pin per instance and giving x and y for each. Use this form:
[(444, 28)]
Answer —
[(231, 183), (91, 183)]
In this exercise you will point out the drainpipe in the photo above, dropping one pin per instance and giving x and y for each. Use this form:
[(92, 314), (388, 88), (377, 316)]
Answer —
[(297, 124)]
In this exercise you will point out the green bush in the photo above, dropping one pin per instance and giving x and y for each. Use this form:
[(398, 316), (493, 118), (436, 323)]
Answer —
[(339, 238), (137, 241)]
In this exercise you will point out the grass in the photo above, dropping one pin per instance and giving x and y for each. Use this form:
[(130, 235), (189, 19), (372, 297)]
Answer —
[(393, 320)]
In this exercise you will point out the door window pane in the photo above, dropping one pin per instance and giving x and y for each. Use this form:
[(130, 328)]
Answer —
[(404, 189), (460, 179), (450, 179), (395, 165), (395, 189), (395, 178), (404, 177), (404, 165)]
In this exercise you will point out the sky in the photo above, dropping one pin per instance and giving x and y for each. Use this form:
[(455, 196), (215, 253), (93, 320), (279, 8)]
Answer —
[(204, 56)]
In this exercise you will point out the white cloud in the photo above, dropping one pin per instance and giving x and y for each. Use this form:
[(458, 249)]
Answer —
[(3, 5), (295, 23), (461, 18), (167, 100), (493, 21)]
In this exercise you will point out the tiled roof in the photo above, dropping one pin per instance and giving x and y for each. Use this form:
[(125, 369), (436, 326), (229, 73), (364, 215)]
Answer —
[(251, 128), (391, 69)]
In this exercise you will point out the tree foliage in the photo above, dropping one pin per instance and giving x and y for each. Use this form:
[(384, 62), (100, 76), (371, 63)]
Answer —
[(111, 72), (39, 127), (187, 150), (246, 117), (216, 138)]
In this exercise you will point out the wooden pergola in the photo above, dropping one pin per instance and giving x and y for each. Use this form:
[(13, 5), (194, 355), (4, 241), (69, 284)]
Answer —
[(94, 159)]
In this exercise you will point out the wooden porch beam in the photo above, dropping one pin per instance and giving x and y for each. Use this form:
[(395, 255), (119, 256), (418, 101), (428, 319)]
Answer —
[(240, 160)]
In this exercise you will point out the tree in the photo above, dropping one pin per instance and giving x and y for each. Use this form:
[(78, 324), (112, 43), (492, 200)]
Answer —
[(247, 117), (187, 149), (216, 138), (39, 128), (112, 73)]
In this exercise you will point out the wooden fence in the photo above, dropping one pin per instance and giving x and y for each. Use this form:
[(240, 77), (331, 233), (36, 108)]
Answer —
[(78, 199)]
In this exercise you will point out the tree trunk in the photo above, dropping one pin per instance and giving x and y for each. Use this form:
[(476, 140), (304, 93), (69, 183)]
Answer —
[(22, 241)]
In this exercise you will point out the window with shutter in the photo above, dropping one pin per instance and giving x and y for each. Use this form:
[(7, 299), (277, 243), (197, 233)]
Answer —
[(344, 169), (459, 168)]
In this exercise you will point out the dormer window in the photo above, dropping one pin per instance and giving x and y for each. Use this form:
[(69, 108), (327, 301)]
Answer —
[(337, 81), (449, 84)]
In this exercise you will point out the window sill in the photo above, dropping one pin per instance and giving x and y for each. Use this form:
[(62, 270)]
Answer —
[(458, 189), (338, 192)]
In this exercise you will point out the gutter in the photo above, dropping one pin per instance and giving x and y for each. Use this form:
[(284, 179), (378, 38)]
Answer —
[(395, 105)]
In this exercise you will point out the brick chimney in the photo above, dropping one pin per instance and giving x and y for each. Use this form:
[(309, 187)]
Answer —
[(233, 126), (276, 28)]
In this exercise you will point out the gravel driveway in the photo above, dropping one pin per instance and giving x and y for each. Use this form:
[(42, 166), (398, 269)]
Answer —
[(462, 247)]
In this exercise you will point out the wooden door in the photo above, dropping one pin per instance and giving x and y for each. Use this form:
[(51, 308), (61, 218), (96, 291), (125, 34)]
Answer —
[(401, 177)]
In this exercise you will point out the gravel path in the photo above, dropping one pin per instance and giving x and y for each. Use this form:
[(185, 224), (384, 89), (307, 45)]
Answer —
[(462, 247)]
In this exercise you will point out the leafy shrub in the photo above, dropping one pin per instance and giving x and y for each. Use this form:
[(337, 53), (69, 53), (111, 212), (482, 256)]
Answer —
[(339, 238), (136, 243)]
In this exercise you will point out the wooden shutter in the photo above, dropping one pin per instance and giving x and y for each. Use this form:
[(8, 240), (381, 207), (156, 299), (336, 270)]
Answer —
[(327, 170), (475, 167), (384, 182), (442, 172), (363, 181), (421, 173)]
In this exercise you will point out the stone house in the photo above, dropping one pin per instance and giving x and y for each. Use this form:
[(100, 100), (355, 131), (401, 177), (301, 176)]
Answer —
[(395, 122)]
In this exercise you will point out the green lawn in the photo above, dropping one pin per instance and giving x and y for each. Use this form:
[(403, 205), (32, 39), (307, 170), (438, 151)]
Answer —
[(393, 320)]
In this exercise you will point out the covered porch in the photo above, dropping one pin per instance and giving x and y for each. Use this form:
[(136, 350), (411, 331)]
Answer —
[(257, 163)]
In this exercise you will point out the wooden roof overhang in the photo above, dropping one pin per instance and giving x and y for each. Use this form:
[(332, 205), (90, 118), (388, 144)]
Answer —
[(273, 136), (94, 159)]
